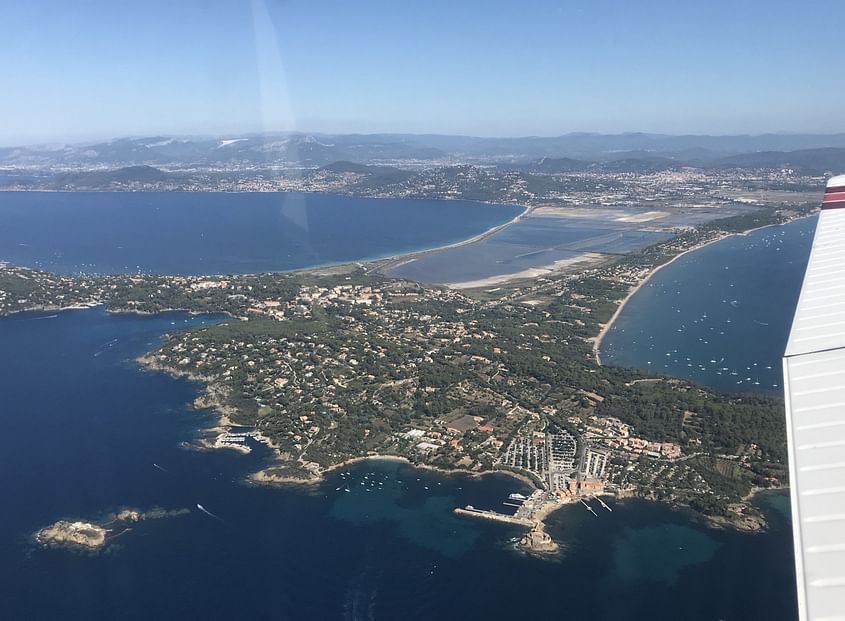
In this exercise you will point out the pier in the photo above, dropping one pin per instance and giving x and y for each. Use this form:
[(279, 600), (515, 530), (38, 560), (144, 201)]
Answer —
[(494, 516), (589, 508)]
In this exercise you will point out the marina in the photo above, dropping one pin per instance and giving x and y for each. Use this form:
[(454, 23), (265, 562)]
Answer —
[(332, 542), (539, 503)]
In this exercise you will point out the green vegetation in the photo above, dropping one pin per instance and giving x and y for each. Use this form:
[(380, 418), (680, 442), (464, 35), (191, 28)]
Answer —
[(334, 367)]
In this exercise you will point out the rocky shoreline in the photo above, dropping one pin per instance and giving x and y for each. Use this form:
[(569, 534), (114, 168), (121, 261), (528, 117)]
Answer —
[(287, 473), (93, 536)]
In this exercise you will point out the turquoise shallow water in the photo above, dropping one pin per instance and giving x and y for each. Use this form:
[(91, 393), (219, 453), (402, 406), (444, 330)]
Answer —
[(658, 553), (83, 427), (390, 548)]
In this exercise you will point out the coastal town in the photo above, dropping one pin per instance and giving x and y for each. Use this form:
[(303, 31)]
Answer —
[(422, 311), (466, 369), (330, 365), (640, 183)]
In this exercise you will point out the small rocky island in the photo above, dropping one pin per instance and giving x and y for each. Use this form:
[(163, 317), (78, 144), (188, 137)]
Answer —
[(538, 541), (81, 535), (93, 536), (337, 364)]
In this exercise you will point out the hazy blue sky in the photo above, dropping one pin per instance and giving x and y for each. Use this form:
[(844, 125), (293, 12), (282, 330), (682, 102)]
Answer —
[(90, 69)]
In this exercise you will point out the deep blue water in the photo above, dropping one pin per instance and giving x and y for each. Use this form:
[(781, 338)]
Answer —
[(720, 315), (215, 233), (83, 425)]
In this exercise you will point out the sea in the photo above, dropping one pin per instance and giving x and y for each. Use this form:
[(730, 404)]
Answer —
[(719, 315), (225, 233), (87, 431)]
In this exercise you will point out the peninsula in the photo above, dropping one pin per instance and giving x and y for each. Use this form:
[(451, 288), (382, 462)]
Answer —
[(331, 365)]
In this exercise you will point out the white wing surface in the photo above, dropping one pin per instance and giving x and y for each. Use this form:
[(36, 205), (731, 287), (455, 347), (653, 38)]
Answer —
[(814, 386)]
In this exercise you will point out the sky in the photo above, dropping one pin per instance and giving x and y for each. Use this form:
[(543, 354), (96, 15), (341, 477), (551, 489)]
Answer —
[(92, 69)]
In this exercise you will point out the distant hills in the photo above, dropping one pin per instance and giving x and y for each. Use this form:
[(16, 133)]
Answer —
[(632, 162), (803, 161), (560, 165), (104, 178), (293, 150), (378, 175), (817, 153), (807, 161)]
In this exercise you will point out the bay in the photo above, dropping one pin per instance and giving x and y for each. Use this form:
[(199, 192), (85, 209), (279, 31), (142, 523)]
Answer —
[(225, 233), (86, 431), (719, 315), (83, 426)]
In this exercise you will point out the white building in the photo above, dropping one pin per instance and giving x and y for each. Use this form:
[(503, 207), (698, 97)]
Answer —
[(595, 463)]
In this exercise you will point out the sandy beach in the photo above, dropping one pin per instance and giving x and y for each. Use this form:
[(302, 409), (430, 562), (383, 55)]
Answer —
[(598, 339), (531, 273), (384, 264)]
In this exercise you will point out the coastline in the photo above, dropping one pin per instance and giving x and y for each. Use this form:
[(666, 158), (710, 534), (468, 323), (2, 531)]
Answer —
[(370, 264), (314, 474), (597, 340), (263, 477), (527, 274), (389, 261), (394, 261), (307, 474), (211, 399)]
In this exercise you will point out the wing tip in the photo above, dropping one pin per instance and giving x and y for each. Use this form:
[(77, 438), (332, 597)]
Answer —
[(837, 181), (834, 194)]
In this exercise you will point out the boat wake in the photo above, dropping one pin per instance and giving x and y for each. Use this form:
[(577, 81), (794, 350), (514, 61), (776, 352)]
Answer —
[(208, 513)]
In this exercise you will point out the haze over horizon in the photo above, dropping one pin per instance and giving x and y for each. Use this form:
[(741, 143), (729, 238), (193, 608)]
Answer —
[(95, 70), (223, 135)]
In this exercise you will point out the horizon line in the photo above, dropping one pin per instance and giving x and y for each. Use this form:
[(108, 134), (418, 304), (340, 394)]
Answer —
[(298, 132)]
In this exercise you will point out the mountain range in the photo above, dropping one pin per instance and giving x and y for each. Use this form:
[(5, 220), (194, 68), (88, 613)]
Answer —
[(570, 152)]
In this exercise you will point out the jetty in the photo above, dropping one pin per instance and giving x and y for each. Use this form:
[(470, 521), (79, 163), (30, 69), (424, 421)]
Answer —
[(589, 508), (494, 516)]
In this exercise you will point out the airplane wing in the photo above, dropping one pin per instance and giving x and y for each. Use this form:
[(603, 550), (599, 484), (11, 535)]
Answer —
[(814, 387)]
